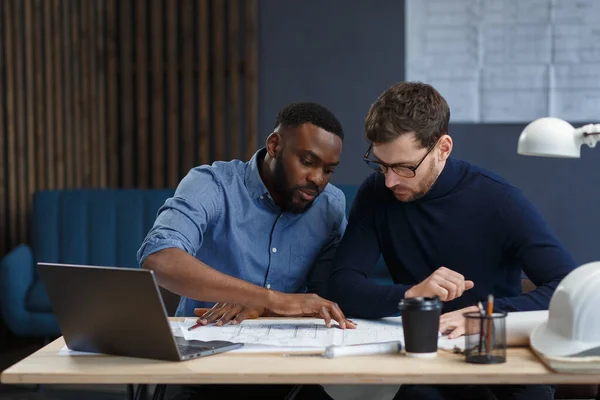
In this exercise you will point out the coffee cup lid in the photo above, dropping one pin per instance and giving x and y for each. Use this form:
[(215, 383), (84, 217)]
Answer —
[(420, 303)]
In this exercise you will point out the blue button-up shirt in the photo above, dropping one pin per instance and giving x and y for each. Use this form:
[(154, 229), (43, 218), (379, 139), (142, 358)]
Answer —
[(224, 216)]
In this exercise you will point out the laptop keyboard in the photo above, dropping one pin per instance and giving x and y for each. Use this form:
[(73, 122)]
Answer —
[(188, 348)]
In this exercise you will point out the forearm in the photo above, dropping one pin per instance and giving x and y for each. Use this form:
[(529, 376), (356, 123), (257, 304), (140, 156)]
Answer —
[(183, 274), (537, 252), (537, 299), (361, 297)]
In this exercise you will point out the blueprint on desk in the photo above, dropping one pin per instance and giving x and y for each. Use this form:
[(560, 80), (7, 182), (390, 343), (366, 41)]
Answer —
[(507, 60), (305, 333)]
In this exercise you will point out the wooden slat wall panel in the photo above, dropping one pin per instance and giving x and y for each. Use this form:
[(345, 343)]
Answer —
[(59, 108), (203, 87), (141, 70), (21, 128), (218, 84), (120, 93), (49, 94), (92, 136), (172, 98), (158, 94), (8, 105), (188, 159), (29, 34), (67, 83), (40, 126), (251, 76), (11, 129), (77, 65), (84, 159), (126, 115), (234, 81), (101, 81), (3, 165), (111, 31)]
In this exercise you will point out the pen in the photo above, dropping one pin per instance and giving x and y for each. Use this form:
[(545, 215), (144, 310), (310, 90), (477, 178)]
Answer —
[(490, 310), (480, 327)]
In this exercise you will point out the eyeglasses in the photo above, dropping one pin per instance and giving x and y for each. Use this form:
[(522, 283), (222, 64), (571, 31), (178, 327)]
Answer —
[(401, 170)]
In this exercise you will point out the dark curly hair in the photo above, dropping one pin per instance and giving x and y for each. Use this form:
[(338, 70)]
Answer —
[(408, 107), (297, 114)]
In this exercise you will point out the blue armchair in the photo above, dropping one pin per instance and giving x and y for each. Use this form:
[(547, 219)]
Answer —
[(79, 226)]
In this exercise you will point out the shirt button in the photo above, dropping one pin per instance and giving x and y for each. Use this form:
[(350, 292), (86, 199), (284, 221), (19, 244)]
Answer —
[(274, 250), (262, 197), (268, 286)]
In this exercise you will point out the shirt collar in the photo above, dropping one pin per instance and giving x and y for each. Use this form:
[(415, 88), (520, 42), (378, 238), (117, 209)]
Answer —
[(254, 183)]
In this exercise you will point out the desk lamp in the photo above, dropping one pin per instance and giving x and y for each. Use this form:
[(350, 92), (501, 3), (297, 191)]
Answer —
[(554, 137)]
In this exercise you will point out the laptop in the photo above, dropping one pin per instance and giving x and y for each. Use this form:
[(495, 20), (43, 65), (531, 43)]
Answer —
[(117, 311)]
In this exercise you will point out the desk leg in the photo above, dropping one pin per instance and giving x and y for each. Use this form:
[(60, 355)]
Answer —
[(293, 392), (139, 393), (130, 392), (159, 392)]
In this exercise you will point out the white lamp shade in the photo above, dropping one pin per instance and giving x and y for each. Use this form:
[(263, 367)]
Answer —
[(549, 137)]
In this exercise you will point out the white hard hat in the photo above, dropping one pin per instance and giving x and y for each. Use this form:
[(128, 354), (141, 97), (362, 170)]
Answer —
[(573, 325)]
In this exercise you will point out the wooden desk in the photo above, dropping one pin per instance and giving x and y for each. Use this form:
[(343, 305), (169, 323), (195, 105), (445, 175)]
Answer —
[(46, 366)]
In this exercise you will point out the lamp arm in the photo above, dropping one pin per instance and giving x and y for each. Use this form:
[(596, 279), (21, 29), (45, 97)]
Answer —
[(590, 134)]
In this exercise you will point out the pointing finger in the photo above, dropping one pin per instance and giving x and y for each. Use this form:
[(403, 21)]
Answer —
[(326, 316)]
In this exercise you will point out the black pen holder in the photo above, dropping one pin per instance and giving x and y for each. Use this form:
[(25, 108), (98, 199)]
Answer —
[(485, 342)]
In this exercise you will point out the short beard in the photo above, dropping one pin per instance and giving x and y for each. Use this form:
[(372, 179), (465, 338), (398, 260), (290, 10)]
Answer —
[(426, 185), (284, 189)]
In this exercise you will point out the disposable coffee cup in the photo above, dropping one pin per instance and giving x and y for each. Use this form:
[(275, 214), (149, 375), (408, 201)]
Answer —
[(421, 322)]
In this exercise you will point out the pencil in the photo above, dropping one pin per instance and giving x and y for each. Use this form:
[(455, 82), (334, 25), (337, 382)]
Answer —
[(194, 326), (481, 314), (490, 310)]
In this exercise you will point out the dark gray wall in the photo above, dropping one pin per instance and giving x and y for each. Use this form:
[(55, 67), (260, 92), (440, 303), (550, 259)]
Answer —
[(344, 53)]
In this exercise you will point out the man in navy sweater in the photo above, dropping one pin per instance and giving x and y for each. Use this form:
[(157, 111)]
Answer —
[(444, 227)]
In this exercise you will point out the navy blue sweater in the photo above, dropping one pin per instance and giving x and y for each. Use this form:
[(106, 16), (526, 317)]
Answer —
[(471, 221)]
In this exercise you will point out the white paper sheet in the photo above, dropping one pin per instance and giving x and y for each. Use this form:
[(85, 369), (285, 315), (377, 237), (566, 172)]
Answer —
[(507, 60), (519, 326)]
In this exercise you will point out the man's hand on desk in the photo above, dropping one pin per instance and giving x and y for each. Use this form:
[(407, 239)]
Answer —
[(288, 305), (444, 283), (222, 313), (308, 305), (453, 323)]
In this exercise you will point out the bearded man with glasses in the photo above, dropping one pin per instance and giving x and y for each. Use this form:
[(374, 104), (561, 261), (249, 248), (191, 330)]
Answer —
[(444, 227)]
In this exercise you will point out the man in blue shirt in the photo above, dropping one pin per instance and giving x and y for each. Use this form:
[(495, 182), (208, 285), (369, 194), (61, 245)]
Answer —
[(445, 228), (258, 237)]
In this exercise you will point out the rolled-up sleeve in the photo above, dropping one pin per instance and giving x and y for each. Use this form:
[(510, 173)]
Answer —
[(182, 221)]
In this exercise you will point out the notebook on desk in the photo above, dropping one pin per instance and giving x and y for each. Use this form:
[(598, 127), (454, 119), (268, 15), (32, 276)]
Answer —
[(117, 311)]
